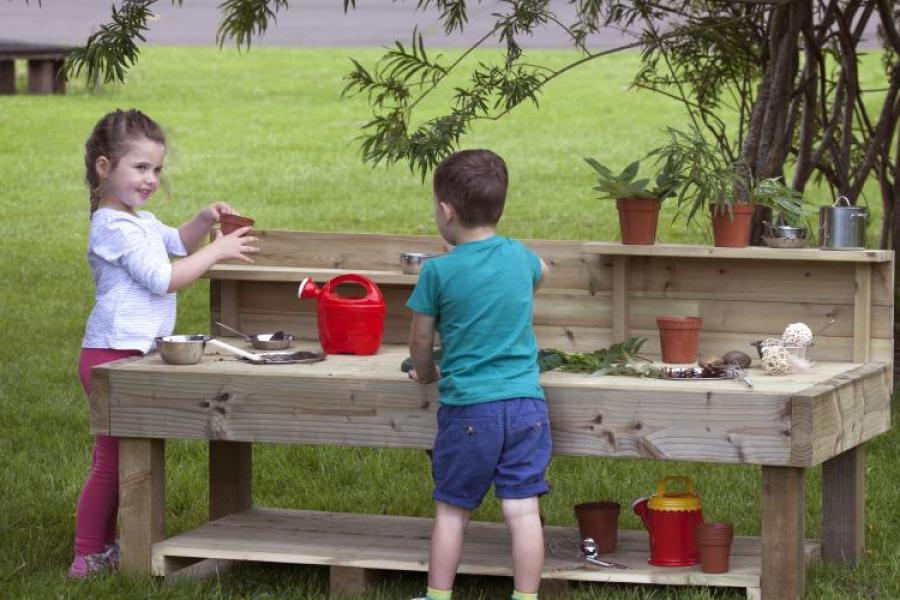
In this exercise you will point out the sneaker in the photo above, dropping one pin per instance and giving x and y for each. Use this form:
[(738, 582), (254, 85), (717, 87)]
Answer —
[(87, 565), (111, 555)]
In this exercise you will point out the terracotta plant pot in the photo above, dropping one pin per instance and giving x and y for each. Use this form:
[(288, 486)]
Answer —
[(714, 544), (732, 229), (599, 520), (229, 223), (637, 220), (679, 338)]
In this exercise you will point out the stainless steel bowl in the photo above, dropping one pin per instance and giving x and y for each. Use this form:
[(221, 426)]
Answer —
[(786, 232), (264, 341), (784, 242), (181, 349), (411, 262)]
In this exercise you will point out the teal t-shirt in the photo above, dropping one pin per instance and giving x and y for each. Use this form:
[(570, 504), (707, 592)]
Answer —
[(481, 296)]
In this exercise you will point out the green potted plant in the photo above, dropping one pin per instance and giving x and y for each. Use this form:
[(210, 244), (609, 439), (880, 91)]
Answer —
[(709, 181), (789, 225), (637, 200)]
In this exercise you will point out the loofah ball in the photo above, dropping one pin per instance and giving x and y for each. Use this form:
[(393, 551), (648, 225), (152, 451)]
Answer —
[(776, 360), (770, 343), (797, 334)]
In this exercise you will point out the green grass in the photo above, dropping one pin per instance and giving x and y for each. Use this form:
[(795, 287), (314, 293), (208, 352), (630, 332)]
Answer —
[(268, 132)]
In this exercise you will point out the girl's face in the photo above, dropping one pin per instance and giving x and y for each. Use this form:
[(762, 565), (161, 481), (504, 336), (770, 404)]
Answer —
[(135, 178)]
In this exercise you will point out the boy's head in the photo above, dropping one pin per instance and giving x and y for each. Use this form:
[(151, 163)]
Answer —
[(471, 184)]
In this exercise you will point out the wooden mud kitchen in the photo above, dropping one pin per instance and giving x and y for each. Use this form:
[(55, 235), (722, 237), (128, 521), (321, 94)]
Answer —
[(596, 293)]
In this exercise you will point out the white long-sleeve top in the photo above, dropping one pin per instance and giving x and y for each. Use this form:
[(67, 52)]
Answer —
[(129, 259)]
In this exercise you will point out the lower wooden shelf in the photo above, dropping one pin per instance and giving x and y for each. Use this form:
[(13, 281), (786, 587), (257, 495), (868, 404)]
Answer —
[(401, 544)]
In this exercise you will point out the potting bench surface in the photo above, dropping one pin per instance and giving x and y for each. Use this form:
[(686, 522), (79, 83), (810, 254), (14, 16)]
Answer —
[(591, 297)]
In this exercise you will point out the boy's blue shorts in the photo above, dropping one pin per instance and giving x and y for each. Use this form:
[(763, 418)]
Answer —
[(506, 443)]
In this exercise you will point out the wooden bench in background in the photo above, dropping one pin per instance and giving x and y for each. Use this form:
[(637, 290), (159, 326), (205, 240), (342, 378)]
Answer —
[(45, 66)]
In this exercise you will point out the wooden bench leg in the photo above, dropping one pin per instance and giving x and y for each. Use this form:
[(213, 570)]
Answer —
[(46, 76), (230, 478), (7, 77), (553, 588), (142, 499), (843, 506), (783, 531), (350, 581)]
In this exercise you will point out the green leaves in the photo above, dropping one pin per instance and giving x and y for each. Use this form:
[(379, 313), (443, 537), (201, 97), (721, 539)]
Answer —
[(784, 201), (111, 51), (619, 359), (244, 19), (624, 185)]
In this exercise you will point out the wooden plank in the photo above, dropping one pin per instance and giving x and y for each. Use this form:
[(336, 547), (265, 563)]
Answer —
[(752, 252), (783, 511), (44, 76), (142, 494), (230, 476), (367, 401), (840, 413), (293, 275), (177, 569), (843, 506), (862, 313), (620, 299), (401, 543)]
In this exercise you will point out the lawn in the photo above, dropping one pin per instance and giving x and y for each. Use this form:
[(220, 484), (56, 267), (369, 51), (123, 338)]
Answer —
[(268, 132)]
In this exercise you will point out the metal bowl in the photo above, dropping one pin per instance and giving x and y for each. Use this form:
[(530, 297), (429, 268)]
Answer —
[(784, 242), (181, 349), (786, 231), (264, 341), (411, 262)]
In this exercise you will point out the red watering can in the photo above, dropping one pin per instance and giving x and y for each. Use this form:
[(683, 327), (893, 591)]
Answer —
[(670, 517), (347, 325)]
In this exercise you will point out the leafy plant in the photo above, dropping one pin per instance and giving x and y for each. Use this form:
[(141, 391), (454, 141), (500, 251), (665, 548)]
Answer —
[(624, 185), (619, 359), (708, 178), (785, 202)]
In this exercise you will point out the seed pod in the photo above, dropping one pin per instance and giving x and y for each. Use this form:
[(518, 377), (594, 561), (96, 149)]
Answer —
[(736, 357)]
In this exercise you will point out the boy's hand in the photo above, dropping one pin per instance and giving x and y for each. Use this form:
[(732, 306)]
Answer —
[(234, 245), (214, 211), (435, 376)]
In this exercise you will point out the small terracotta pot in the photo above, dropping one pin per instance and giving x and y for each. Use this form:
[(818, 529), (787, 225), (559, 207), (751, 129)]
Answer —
[(637, 220), (714, 544), (599, 520), (679, 338), (229, 223), (732, 229)]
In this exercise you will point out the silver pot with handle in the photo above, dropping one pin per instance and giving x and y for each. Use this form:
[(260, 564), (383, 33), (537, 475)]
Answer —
[(842, 226)]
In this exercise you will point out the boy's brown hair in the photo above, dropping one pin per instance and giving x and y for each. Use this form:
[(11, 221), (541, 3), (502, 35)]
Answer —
[(474, 183)]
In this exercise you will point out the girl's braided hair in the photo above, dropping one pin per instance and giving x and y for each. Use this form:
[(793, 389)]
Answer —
[(110, 138)]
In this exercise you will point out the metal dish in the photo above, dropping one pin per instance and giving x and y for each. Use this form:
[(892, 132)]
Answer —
[(411, 262), (181, 349), (784, 242), (298, 357), (786, 231), (264, 341)]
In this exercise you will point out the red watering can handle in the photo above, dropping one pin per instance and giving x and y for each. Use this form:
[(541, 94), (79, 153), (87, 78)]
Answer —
[(372, 291), (661, 486)]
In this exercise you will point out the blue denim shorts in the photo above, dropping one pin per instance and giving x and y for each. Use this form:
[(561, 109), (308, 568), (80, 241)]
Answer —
[(506, 443)]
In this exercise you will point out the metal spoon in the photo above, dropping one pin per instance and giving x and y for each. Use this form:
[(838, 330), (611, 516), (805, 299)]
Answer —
[(588, 553)]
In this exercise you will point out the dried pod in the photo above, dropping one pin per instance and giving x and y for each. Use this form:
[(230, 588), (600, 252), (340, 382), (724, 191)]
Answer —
[(736, 357), (712, 361)]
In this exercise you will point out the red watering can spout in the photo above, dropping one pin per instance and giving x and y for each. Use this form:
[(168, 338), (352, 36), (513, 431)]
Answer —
[(639, 507), (308, 289)]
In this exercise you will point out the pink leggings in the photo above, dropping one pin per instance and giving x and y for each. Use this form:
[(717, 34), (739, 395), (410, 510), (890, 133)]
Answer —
[(95, 521)]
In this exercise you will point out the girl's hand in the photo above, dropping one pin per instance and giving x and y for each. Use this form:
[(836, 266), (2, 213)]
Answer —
[(234, 245), (214, 211), (436, 375)]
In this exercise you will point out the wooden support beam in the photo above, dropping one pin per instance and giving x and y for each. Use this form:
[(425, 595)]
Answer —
[(783, 510), (350, 581), (230, 478), (862, 313), (228, 307), (620, 308), (7, 77), (46, 76), (843, 506), (142, 497)]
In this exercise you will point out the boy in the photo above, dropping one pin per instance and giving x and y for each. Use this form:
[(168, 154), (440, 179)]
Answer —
[(492, 423)]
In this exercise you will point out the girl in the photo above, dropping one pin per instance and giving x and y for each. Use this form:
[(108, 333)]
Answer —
[(128, 251)]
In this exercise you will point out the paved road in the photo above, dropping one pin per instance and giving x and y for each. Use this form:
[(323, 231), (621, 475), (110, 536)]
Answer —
[(307, 23)]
